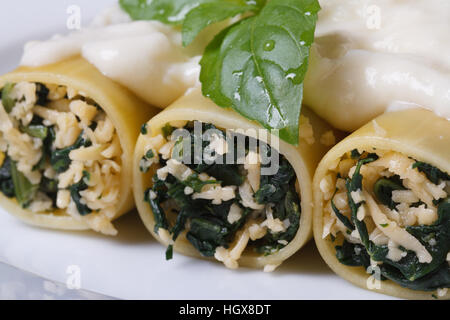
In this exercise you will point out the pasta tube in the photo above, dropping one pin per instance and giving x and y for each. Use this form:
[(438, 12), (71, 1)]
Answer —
[(382, 205), (67, 135), (228, 208)]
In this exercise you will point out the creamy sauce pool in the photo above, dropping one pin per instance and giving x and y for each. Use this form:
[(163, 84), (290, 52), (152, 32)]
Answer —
[(144, 56), (372, 55)]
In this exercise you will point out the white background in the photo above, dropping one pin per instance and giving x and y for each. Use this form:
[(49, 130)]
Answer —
[(131, 265)]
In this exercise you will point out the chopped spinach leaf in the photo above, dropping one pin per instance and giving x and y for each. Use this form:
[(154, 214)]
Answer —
[(270, 243), (6, 182), (167, 130), (149, 154), (346, 221), (5, 170), (158, 212), (7, 188), (408, 271), (353, 255), (356, 180), (7, 101), (208, 222), (48, 185), (50, 188), (24, 190), (42, 94), (60, 157), (36, 131), (433, 174), (75, 190), (439, 278), (383, 190), (207, 234), (273, 188), (228, 174), (355, 154), (144, 130), (194, 182), (206, 248), (169, 252)]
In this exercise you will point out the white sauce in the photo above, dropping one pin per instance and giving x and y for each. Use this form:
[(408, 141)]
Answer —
[(373, 55), (145, 56)]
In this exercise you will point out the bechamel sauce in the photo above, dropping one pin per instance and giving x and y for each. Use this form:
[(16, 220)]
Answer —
[(362, 66), (145, 56)]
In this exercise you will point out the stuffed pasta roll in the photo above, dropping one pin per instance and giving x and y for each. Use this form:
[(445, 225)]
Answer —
[(67, 135), (382, 205), (209, 183)]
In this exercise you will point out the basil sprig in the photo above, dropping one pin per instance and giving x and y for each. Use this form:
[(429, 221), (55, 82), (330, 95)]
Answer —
[(255, 66), (193, 15), (167, 11), (213, 12)]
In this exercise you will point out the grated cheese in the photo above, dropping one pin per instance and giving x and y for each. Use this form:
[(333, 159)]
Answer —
[(253, 166), (257, 231), (271, 267), (216, 193), (69, 119), (247, 199), (328, 139), (396, 233), (306, 130), (235, 213)]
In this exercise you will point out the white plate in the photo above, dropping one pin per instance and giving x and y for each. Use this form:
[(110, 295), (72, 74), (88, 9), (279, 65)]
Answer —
[(132, 265)]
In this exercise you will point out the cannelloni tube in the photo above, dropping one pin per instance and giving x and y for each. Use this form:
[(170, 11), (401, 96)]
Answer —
[(67, 134), (228, 210), (382, 205)]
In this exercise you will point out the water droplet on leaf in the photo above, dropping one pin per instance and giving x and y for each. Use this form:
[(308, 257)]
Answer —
[(269, 45)]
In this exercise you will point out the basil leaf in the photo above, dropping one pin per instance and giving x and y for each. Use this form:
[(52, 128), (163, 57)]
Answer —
[(257, 66), (166, 11), (212, 12)]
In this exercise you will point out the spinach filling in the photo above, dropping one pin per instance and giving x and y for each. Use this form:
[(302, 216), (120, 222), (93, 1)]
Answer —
[(279, 189), (6, 181), (7, 101), (408, 271), (14, 184), (206, 223)]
